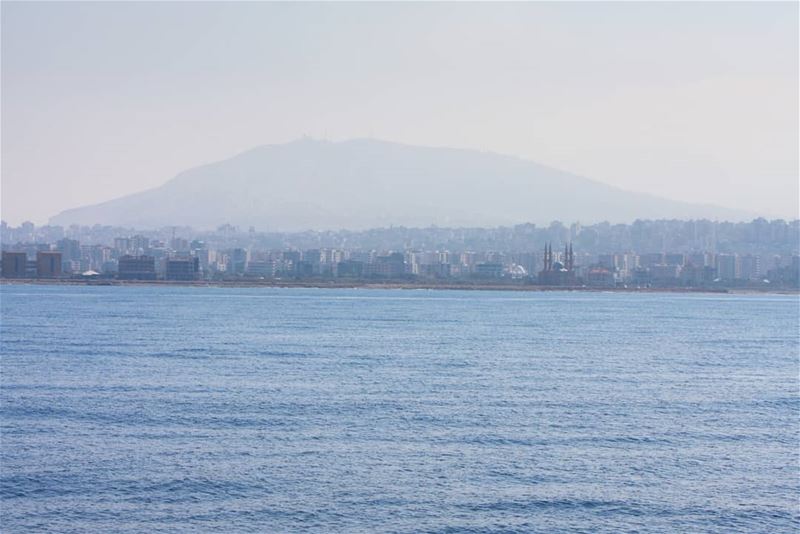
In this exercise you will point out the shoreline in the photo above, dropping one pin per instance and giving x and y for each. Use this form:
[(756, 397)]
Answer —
[(363, 284)]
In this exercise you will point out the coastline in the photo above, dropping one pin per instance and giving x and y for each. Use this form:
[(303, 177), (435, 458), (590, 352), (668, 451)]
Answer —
[(366, 284)]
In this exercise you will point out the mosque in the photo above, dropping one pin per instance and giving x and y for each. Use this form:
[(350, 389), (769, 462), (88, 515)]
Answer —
[(555, 272)]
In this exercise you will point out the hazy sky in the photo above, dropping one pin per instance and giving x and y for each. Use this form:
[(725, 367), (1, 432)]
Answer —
[(695, 102)]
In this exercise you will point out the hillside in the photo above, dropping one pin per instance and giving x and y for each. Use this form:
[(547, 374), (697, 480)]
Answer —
[(358, 184)]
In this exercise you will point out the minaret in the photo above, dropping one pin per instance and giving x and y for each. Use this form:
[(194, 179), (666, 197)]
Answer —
[(571, 261), (547, 254), (544, 267)]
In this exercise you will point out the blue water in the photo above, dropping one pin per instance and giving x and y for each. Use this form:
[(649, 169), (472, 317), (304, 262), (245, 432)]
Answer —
[(145, 409)]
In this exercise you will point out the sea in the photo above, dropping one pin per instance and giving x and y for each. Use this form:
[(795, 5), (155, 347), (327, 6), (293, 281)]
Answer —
[(208, 409)]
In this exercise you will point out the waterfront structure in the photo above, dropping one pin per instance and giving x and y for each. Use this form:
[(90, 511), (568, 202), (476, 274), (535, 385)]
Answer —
[(687, 253), (15, 264), (558, 273), (137, 268)]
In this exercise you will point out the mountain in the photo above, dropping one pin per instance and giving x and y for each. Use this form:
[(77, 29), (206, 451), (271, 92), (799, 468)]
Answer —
[(309, 184)]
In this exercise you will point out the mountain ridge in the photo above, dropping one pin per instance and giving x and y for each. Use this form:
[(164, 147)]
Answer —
[(364, 183)]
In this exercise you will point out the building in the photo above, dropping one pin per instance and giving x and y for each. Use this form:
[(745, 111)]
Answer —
[(291, 256), (526, 260), (600, 276), (489, 270), (391, 266), (139, 244), (750, 267), (664, 274), (304, 269), (262, 268), (98, 257), (650, 259), (237, 261), (608, 262), (15, 264), (70, 252), (179, 244), (697, 275), (437, 270), (122, 245), (702, 259), (350, 269), (788, 275), (727, 266), (136, 268), (558, 273), (675, 259), (641, 277), (183, 269), (48, 264)]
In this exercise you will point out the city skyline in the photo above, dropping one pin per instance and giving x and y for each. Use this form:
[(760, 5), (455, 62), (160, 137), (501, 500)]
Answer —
[(667, 254)]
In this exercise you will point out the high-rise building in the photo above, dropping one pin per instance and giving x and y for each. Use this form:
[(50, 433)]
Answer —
[(15, 264), (48, 264), (750, 267), (122, 245), (237, 261), (139, 244), (728, 266), (70, 250)]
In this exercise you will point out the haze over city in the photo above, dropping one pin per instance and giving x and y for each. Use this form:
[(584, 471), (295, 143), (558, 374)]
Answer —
[(691, 102), (398, 267)]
